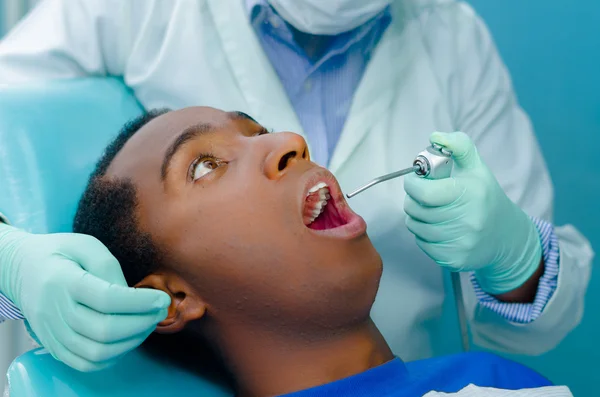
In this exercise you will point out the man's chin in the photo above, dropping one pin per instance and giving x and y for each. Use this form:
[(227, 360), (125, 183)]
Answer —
[(364, 254), (364, 268)]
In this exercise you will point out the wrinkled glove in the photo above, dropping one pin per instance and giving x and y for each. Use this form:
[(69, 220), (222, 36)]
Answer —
[(74, 296), (467, 223)]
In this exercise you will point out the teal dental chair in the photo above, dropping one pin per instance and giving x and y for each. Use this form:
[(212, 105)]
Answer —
[(51, 135)]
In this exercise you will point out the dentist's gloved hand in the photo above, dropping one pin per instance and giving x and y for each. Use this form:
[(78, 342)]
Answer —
[(74, 296), (467, 223)]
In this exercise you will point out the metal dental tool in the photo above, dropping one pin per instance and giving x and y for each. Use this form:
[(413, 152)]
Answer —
[(387, 177), (435, 162)]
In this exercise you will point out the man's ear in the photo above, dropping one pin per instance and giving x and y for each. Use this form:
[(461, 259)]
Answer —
[(185, 305)]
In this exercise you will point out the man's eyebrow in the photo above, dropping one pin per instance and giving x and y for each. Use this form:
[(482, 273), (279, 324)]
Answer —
[(186, 135), (243, 116)]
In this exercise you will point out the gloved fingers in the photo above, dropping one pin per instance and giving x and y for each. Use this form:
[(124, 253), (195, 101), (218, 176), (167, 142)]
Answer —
[(93, 256), (109, 298), (432, 233), (91, 351), (62, 353), (444, 254), (111, 328), (432, 192), (81, 364), (431, 215), (463, 149)]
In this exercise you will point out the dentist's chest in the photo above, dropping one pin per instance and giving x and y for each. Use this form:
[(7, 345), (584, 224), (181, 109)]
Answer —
[(196, 64), (399, 103)]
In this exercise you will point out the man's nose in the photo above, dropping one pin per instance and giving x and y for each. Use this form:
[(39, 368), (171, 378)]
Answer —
[(286, 149)]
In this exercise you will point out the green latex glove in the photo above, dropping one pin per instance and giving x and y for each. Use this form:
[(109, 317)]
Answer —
[(467, 223), (74, 296)]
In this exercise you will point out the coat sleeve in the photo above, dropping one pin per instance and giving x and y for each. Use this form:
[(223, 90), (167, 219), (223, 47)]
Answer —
[(66, 39), (8, 310), (483, 104)]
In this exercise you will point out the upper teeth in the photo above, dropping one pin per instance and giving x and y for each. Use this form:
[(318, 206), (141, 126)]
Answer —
[(319, 206), (318, 186)]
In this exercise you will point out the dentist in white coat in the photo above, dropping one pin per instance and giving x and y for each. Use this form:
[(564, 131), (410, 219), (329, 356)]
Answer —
[(366, 83)]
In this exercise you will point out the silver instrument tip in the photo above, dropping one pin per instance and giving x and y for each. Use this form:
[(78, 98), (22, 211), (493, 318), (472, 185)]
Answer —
[(383, 178)]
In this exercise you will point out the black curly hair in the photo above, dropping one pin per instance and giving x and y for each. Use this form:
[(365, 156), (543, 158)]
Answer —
[(106, 211)]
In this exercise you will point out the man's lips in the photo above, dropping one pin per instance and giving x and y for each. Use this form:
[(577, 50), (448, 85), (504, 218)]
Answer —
[(337, 220)]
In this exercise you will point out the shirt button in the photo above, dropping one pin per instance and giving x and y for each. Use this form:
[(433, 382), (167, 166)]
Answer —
[(307, 85)]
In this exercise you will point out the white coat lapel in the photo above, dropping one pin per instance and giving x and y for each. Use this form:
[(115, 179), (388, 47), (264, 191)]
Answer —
[(258, 82), (375, 93)]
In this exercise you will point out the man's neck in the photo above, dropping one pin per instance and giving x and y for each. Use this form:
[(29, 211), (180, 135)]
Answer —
[(267, 365)]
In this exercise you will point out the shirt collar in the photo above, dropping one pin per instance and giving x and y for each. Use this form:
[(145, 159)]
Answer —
[(258, 10), (253, 7), (264, 18), (379, 381)]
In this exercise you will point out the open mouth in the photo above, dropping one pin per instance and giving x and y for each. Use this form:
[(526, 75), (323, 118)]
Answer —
[(320, 211), (325, 211)]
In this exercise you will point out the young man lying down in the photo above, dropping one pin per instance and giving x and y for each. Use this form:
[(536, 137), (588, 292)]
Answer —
[(262, 257)]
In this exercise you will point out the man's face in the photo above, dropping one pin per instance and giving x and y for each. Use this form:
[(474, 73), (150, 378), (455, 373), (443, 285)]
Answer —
[(227, 204)]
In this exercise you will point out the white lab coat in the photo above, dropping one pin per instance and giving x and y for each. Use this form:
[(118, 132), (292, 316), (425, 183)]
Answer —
[(436, 68)]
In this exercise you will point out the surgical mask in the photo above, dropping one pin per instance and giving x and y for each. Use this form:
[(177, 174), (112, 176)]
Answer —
[(327, 17)]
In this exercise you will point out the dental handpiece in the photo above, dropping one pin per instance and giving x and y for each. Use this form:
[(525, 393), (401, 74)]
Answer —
[(435, 162)]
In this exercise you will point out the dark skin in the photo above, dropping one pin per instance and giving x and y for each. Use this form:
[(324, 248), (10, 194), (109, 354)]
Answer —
[(285, 308), (526, 292), (315, 46)]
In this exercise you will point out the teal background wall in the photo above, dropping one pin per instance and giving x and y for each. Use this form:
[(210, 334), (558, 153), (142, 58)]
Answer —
[(552, 49)]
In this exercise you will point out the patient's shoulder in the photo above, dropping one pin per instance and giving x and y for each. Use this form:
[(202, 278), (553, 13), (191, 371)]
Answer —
[(478, 368)]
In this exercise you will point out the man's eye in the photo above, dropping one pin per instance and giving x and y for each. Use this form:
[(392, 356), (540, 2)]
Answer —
[(204, 166)]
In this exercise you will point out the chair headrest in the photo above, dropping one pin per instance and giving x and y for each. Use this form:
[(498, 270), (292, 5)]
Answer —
[(51, 136), (37, 373)]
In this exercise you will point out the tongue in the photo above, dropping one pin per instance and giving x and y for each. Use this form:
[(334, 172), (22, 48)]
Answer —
[(326, 221)]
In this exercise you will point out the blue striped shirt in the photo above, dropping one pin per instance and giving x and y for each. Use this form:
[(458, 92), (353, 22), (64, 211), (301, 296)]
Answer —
[(321, 92), (7, 309)]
